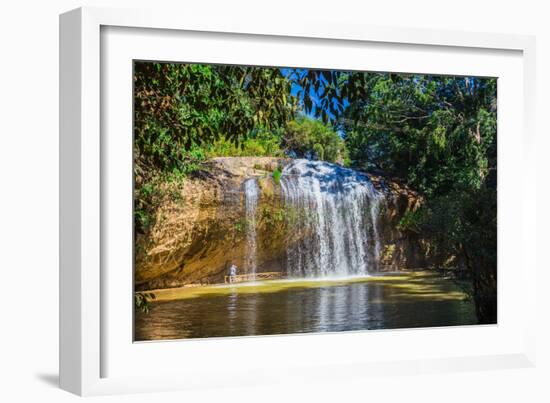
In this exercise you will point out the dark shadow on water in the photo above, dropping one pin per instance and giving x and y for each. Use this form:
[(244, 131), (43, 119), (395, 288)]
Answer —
[(49, 379)]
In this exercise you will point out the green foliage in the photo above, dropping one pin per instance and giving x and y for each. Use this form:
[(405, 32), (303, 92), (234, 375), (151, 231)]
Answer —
[(436, 133), (319, 151), (277, 175), (310, 138), (464, 224), (274, 216), (412, 220), (141, 301), (241, 225), (439, 136), (150, 194), (145, 198), (181, 106), (260, 143)]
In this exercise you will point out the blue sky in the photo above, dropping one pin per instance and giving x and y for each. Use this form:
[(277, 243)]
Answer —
[(296, 90)]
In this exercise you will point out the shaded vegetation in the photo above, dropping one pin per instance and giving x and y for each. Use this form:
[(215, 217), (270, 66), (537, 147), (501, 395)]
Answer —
[(438, 135), (141, 301)]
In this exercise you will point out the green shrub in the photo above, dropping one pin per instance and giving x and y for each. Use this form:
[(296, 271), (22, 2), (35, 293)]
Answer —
[(310, 138), (277, 176), (261, 143), (413, 220)]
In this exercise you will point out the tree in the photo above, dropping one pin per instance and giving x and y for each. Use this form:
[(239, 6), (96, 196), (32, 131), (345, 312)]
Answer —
[(181, 106), (464, 224), (437, 134), (183, 111), (310, 138)]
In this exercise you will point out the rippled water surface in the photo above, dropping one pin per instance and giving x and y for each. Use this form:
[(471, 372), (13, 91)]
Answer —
[(388, 301)]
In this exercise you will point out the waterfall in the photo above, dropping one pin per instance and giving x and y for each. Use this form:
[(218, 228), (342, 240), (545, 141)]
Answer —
[(251, 194), (336, 232)]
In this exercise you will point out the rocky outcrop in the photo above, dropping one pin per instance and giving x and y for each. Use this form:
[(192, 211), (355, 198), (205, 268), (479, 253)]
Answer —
[(200, 227), (402, 249)]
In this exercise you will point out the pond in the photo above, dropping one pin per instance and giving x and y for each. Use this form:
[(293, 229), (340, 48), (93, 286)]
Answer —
[(380, 301)]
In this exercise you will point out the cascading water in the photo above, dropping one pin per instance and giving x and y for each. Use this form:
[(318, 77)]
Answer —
[(251, 194), (336, 232)]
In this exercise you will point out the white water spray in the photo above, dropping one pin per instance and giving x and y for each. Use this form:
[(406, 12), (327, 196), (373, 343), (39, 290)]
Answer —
[(251, 195), (337, 233)]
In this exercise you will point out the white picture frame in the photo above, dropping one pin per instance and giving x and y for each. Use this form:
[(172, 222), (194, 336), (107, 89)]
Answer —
[(85, 300)]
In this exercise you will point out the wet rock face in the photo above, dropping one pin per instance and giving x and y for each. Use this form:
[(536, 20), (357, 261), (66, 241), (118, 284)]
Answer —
[(201, 228), (402, 250)]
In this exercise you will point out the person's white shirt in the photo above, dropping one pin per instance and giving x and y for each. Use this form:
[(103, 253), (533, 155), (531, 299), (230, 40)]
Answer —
[(232, 271)]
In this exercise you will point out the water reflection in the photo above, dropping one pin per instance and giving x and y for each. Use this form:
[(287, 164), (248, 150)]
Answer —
[(232, 311), (300, 309)]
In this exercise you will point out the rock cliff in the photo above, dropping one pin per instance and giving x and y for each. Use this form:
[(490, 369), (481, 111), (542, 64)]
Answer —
[(199, 228)]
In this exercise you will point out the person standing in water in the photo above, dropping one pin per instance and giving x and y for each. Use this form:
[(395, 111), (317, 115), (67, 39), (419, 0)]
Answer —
[(232, 273)]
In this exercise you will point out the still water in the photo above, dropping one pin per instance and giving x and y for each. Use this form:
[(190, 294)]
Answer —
[(384, 301)]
